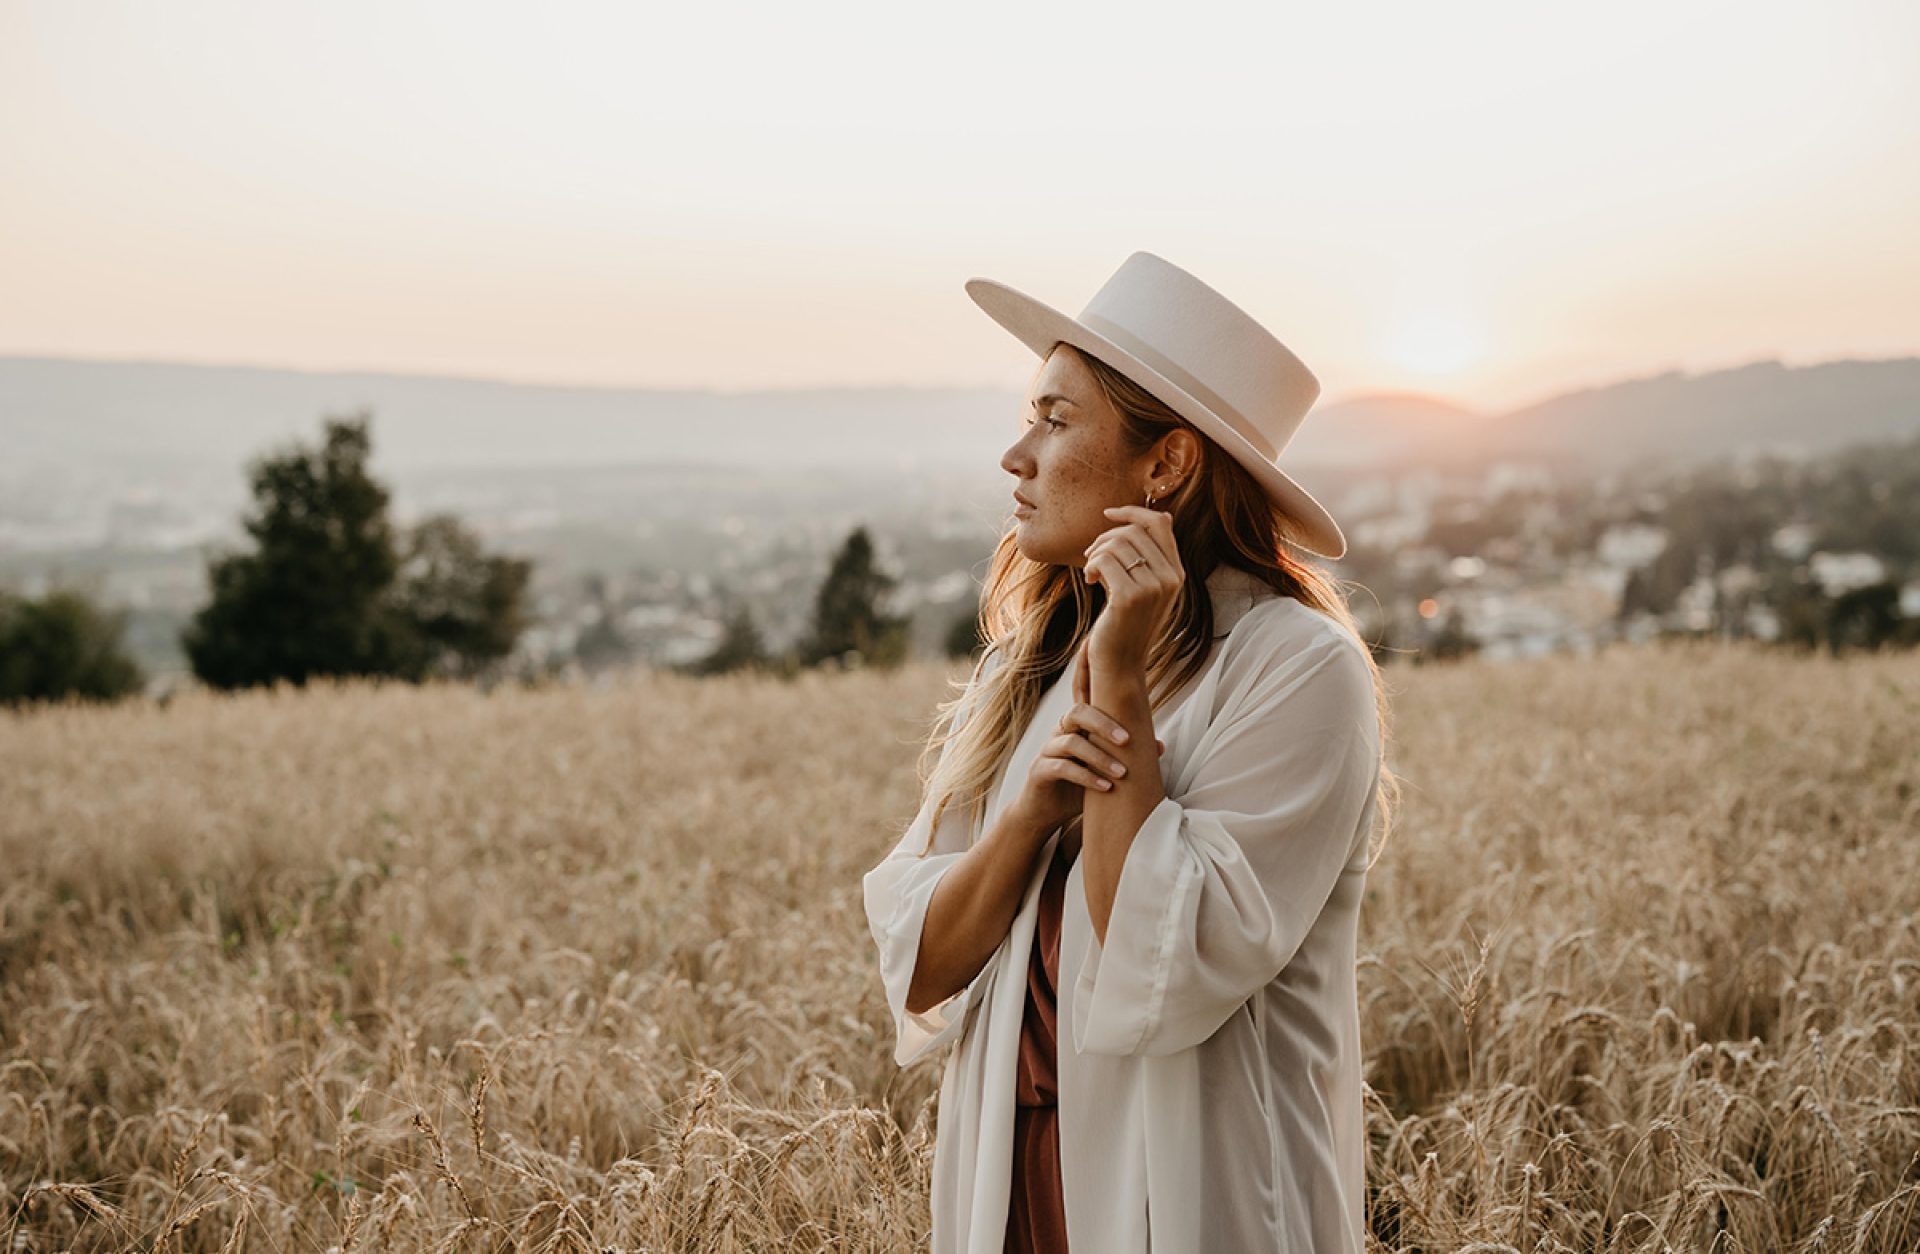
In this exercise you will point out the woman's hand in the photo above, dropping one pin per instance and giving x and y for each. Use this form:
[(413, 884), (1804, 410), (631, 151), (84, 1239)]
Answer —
[(1080, 755), (1139, 600)]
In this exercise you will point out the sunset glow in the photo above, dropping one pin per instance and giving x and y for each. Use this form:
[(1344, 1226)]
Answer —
[(1435, 346), (1490, 204)]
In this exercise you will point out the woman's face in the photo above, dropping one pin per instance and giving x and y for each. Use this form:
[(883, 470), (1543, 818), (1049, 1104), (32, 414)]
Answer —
[(1068, 464)]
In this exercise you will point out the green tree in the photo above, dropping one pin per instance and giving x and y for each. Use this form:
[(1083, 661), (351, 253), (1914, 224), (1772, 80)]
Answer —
[(1804, 614), (602, 643), (466, 607), (849, 622), (740, 646), (328, 588), (63, 645)]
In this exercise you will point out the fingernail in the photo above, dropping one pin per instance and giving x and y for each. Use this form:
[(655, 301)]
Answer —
[(1120, 736)]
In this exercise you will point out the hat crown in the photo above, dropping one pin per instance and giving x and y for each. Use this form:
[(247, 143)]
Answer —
[(1206, 345), (1200, 354)]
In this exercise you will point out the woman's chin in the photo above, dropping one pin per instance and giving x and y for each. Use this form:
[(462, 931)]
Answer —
[(1035, 548)]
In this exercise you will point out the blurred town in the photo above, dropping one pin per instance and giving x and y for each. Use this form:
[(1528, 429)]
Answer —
[(1505, 557)]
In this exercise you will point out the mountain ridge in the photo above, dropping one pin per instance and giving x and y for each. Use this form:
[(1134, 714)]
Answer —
[(65, 410)]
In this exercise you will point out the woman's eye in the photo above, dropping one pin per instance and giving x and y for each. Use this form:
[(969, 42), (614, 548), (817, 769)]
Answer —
[(1052, 421)]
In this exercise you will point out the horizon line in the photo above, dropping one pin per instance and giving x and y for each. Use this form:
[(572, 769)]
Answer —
[(1376, 394)]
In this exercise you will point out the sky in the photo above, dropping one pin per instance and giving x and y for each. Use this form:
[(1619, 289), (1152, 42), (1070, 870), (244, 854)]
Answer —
[(1488, 202)]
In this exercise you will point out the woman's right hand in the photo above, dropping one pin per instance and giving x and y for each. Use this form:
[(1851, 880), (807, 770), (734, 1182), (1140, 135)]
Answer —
[(1080, 755)]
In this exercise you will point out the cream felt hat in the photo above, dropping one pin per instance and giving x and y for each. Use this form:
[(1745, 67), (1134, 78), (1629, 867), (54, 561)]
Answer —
[(1201, 354)]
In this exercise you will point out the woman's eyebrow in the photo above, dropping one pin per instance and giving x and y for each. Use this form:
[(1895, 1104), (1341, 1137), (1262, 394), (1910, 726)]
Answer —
[(1049, 398)]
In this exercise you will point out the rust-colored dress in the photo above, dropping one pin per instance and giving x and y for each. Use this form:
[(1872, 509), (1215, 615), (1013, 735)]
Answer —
[(1036, 1210)]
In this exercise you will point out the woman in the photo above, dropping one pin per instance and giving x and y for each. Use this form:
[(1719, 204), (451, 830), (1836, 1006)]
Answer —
[(1154, 798)]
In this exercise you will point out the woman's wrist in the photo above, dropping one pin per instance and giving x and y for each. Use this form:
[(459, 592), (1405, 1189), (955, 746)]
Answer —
[(1121, 691), (1016, 829)]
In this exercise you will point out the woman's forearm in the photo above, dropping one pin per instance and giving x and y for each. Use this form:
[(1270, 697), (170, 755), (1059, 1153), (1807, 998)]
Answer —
[(1110, 819), (971, 909)]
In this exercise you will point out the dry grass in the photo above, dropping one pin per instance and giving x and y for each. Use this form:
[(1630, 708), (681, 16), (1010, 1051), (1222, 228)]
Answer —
[(386, 968)]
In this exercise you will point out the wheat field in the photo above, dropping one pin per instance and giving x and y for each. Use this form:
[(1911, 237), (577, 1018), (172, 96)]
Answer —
[(368, 967)]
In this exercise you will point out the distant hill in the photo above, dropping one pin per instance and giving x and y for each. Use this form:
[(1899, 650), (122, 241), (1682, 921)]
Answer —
[(59, 410), (1381, 428), (1670, 418), (70, 411), (1675, 416)]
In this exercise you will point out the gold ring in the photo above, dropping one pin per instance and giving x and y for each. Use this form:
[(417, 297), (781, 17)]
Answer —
[(1136, 562)]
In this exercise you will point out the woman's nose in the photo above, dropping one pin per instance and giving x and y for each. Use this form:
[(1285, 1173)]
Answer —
[(1009, 460), (1016, 460)]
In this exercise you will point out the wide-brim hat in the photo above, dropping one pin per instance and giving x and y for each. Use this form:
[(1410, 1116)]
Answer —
[(1201, 354)]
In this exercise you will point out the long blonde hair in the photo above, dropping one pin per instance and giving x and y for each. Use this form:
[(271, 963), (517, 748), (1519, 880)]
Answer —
[(1033, 615)]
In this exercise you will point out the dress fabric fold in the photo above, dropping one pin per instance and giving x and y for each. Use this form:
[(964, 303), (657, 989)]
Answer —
[(1037, 1208)]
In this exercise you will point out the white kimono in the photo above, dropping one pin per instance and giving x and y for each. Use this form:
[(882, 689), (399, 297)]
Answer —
[(1208, 1073)]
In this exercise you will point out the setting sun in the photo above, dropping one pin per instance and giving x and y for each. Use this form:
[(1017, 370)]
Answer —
[(1436, 344)]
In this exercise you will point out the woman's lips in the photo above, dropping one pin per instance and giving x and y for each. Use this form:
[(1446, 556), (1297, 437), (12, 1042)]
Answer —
[(1021, 509)]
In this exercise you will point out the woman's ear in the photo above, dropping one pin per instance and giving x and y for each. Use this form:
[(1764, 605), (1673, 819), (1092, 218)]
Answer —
[(1178, 453)]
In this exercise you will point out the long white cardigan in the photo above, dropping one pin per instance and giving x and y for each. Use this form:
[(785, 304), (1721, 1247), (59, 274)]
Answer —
[(1209, 1069)]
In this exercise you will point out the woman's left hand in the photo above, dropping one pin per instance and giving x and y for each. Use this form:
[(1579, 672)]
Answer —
[(1139, 600)]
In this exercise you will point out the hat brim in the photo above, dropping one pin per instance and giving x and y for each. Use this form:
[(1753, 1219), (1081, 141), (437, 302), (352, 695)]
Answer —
[(1040, 326)]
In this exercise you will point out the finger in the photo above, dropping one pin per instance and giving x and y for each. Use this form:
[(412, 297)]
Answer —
[(1094, 749), (1115, 576), (1131, 549), (1094, 719), (1111, 575), (1160, 531), (1105, 539), (1081, 749), (1082, 678), (1129, 541), (1156, 540), (1153, 522), (1068, 771)]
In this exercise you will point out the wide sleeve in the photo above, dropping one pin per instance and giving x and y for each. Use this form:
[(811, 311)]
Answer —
[(897, 893), (1223, 882)]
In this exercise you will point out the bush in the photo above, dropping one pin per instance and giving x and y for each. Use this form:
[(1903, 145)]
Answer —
[(63, 645)]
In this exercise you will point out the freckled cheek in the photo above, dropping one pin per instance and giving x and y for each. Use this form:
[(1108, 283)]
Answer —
[(1070, 470), (1076, 486)]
